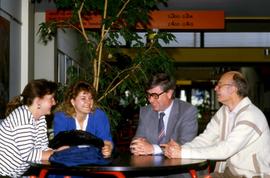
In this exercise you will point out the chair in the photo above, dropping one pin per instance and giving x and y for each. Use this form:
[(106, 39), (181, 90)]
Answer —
[(193, 173), (210, 168)]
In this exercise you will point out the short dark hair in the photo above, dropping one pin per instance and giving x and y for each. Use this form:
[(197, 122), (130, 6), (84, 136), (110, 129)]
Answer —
[(165, 81)]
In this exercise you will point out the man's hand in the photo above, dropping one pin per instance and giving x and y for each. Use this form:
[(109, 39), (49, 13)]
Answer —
[(171, 149), (140, 146)]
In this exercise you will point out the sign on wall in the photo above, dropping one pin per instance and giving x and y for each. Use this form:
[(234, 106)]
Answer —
[(165, 19)]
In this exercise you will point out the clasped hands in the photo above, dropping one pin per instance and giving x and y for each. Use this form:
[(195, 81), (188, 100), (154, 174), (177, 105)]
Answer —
[(140, 146), (171, 149)]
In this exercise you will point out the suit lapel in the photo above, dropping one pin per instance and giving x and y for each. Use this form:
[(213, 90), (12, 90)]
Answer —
[(172, 120)]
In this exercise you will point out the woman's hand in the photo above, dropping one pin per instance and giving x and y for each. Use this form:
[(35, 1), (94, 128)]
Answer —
[(46, 154), (61, 148), (107, 149)]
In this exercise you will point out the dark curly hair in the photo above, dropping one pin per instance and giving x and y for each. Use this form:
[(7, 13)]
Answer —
[(72, 92)]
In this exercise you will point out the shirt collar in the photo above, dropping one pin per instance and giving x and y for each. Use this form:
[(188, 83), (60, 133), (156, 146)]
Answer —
[(167, 110), (245, 101), (84, 124)]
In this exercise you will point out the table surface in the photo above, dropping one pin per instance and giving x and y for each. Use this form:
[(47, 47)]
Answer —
[(127, 163)]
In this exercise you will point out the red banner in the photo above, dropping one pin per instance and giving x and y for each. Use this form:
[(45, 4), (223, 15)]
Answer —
[(186, 20)]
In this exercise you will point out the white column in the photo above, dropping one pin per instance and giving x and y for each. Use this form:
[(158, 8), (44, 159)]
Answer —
[(44, 55), (24, 43)]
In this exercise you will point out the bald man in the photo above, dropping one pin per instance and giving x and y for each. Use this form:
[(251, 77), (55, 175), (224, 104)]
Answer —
[(237, 136)]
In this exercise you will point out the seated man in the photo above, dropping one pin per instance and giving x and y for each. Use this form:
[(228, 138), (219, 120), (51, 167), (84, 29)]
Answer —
[(238, 134), (178, 122)]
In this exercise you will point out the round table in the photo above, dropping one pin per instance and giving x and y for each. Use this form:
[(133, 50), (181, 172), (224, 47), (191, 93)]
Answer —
[(127, 164)]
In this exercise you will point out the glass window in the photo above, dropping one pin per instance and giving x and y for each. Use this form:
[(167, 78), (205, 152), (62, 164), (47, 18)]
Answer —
[(237, 39), (64, 64), (213, 39), (184, 39)]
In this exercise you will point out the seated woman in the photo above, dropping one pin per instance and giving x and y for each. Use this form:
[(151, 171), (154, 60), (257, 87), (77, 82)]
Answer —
[(23, 133), (79, 111)]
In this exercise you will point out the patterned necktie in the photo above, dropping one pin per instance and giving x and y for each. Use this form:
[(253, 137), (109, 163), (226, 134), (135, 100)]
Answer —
[(161, 128)]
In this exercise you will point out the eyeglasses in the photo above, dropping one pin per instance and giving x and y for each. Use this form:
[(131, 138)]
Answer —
[(222, 85), (154, 95)]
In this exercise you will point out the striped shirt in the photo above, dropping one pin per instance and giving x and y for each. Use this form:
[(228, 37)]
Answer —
[(22, 140)]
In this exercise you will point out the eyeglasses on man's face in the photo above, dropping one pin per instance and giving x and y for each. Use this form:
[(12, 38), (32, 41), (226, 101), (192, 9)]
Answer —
[(154, 95)]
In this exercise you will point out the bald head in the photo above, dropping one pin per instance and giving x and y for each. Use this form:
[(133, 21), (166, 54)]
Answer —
[(239, 81)]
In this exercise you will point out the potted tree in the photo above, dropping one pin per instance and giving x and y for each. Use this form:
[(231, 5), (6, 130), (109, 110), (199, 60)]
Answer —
[(118, 77)]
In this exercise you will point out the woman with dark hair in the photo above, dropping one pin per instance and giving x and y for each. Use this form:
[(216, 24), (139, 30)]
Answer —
[(23, 133), (79, 112)]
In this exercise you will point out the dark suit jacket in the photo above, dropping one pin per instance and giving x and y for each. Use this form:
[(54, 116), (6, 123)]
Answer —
[(182, 124)]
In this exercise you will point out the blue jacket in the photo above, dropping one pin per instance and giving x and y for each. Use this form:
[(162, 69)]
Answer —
[(98, 124)]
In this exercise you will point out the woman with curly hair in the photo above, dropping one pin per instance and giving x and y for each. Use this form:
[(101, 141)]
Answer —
[(79, 112)]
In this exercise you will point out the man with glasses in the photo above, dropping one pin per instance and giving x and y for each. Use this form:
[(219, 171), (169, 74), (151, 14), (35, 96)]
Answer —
[(178, 122), (238, 135)]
